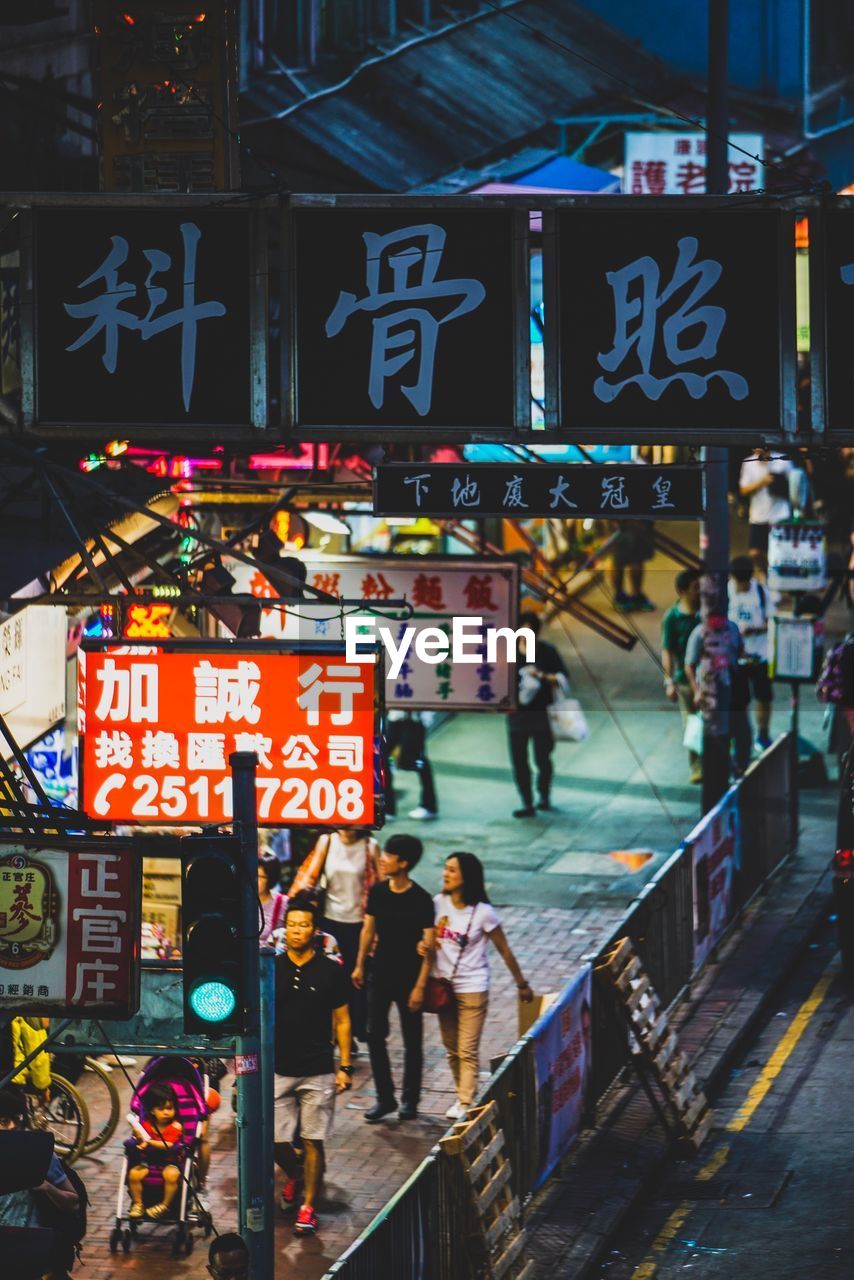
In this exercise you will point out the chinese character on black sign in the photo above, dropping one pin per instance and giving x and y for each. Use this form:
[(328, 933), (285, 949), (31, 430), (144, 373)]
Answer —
[(669, 322), (138, 312), (674, 310), (109, 313), (405, 337), (407, 318)]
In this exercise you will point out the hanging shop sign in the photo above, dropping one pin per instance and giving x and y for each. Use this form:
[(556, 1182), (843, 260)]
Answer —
[(674, 320), (674, 164), (629, 492), (157, 727), (438, 589), (70, 929), (832, 318), (715, 854), (797, 557), (32, 674), (137, 311), (794, 646), (409, 317)]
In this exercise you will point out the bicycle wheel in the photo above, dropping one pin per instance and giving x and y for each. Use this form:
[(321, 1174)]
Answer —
[(102, 1100), (66, 1116)]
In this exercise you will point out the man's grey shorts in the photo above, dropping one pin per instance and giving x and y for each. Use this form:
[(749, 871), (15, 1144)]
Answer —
[(305, 1104)]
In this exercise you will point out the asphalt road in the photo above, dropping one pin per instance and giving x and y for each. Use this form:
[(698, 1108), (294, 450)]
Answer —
[(771, 1195)]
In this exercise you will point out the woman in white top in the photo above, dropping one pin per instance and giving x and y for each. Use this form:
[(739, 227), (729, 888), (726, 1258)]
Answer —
[(271, 901), (346, 864), (466, 922)]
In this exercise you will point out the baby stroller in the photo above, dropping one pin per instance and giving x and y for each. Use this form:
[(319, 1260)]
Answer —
[(190, 1088)]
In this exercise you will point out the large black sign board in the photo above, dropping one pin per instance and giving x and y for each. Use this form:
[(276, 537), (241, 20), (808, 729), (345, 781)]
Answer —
[(409, 318), (673, 322), (837, 233), (142, 318), (612, 491)]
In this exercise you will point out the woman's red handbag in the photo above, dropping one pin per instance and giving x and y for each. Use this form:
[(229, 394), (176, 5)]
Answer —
[(438, 995)]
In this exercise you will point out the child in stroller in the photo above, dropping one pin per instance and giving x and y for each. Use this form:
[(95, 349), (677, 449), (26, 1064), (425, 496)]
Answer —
[(158, 1137), (161, 1170)]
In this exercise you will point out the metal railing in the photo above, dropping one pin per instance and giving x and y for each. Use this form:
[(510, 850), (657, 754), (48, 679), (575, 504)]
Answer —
[(421, 1232)]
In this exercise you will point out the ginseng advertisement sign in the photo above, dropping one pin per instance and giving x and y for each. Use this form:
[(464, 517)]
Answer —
[(69, 928), (158, 725)]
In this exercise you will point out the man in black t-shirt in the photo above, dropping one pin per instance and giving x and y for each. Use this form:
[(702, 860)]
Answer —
[(312, 995), (400, 915), (530, 724)]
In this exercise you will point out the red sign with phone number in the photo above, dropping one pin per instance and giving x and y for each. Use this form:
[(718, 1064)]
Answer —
[(157, 728)]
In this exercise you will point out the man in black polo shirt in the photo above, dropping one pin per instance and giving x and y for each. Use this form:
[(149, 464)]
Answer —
[(399, 915), (312, 993)]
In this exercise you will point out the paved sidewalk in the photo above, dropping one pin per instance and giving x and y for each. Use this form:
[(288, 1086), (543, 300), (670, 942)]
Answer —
[(556, 882)]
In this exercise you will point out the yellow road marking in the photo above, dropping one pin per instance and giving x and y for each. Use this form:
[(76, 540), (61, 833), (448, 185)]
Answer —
[(666, 1235), (647, 1269), (782, 1053), (716, 1163)]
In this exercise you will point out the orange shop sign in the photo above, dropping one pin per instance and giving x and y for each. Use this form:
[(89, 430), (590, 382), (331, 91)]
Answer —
[(157, 727)]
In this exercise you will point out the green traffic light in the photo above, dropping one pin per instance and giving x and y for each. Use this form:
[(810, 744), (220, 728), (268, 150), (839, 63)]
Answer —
[(212, 1001)]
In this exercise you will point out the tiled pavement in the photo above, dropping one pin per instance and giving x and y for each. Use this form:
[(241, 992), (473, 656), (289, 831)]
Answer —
[(366, 1163)]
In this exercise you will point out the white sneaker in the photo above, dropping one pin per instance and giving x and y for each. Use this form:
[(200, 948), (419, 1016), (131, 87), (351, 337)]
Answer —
[(456, 1112), (116, 1060), (422, 815)]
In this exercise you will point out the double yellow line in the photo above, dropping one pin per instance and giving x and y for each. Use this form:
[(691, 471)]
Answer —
[(769, 1073)]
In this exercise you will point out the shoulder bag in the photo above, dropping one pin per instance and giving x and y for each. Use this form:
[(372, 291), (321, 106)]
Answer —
[(439, 992)]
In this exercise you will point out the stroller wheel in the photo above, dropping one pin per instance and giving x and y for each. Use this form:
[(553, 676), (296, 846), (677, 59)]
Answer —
[(188, 1244), (115, 1237), (126, 1239), (178, 1243)]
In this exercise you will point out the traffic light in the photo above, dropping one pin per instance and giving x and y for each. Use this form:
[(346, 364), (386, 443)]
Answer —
[(212, 926)]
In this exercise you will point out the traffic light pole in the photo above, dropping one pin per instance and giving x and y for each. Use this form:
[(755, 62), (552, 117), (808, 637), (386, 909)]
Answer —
[(254, 1076)]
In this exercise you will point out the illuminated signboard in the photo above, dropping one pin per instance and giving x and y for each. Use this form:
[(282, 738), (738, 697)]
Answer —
[(158, 725), (69, 929)]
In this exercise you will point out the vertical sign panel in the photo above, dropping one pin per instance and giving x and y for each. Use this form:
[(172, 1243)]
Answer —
[(410, 318), (674, 322), (70, 929), (837, 226), (142, 317)]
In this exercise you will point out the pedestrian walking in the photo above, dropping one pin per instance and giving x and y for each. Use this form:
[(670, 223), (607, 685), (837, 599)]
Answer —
[(466, 923), (399, 917), (748, 609), (723, 647), (346, 864), (406, 745), (529, 724), (311, 997), (676, 627), (764, 479), (632, 548), (270, 900)]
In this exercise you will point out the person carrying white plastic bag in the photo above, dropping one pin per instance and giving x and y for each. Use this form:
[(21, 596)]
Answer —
[(566, 717)]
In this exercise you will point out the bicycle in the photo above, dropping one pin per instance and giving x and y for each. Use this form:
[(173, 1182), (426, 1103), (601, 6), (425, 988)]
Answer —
[(104, 1111), (65, 1115)]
